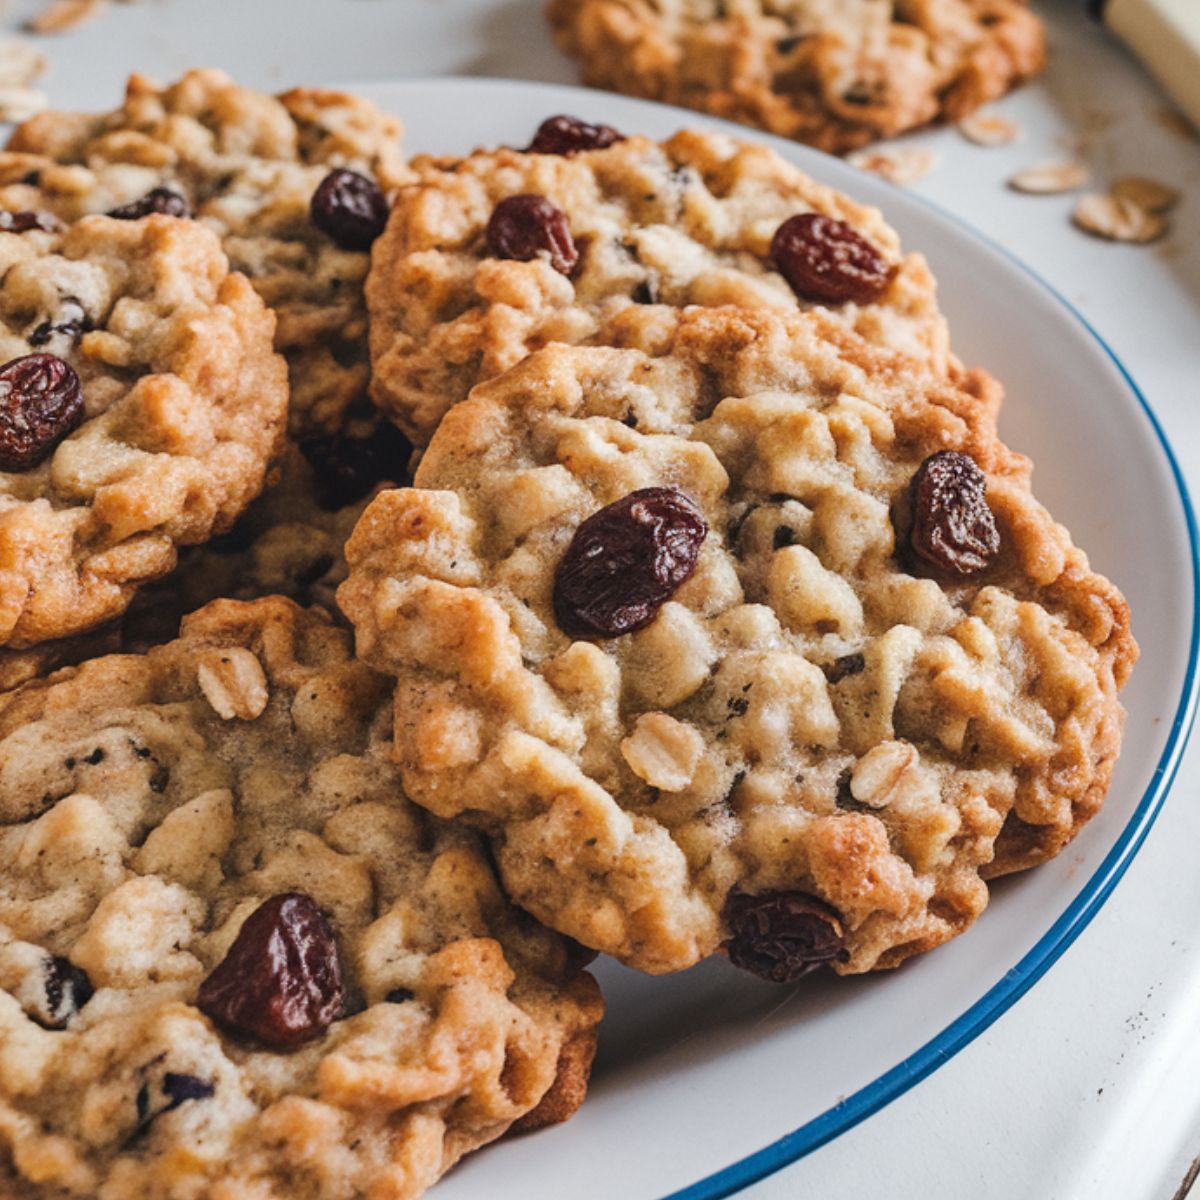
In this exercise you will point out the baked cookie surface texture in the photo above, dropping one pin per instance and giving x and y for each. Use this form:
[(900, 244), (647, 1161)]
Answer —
[(488, 258), (234, 960), (141, 408), (754, 637), (836, 74), (294, 185)]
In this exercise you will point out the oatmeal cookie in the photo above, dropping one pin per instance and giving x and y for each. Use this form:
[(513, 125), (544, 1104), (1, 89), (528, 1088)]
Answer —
[(141, 406), (464, 282), (234, 960), (728, 645), (283, 180), (290, 542), (835, 75)]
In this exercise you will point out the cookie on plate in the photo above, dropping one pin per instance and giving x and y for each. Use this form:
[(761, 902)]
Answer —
[(756, 643), (141, 407), (234, 960), (294, 185), (290, 542), (487, 258), (835, 75)]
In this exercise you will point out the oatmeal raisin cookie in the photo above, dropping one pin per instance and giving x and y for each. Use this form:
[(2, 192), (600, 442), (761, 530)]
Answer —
[(836, 74), (141, 408), (693, 220), (247, 164), (234, 960), (722, 642)]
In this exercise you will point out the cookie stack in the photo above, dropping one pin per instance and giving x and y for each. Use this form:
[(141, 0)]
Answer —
[(715, 619)]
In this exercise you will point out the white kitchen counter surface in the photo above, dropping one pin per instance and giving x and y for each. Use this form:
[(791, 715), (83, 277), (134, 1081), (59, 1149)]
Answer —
[(1089, 1088)]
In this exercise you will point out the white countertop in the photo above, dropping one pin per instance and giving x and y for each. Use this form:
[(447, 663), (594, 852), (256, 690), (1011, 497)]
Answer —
[(1088, 1088)]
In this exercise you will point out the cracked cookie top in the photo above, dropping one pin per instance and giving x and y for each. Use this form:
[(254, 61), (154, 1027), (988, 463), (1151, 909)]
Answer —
[(829, 663), (234, 960), (836, 75), (464, 283), (141, 406), (249, 165)]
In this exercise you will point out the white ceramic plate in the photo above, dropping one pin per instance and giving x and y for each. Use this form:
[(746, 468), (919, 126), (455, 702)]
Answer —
[(709, 1080)]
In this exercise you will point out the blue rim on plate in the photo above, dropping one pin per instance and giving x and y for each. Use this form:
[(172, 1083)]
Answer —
[(909, 1072), (1018, 980)]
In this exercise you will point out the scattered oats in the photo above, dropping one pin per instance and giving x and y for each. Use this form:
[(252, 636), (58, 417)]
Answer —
[(1048, 179), (1118, 220), (1149, 194), (904, 164), (20, 63), (989, 129), (61, 15), (1175, 122), (20, 103)]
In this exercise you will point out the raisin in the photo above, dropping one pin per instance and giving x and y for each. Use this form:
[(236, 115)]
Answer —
[(70, 321), (346, 468), (626, 561), (162, 200), (781, 936), (568, 135), (526, 227), (178, 1089), (23, 222), (646, 292), (67, 988), (400, 995), (40, 403), (952, 526), (350, 208), (848, 664), (281, 981), (184, 1087), (828, 260), (861, 94)]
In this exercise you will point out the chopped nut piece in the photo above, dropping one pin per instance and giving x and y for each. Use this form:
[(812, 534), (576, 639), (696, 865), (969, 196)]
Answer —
[(233, 682), (20, 103), (902, 165), (1048, 179), (989, 129), (1146, 193), (1117, 220), (663, 751)]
